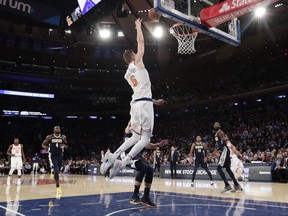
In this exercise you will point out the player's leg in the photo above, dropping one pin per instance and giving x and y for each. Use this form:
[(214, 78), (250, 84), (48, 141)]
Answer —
[(11, 171), (158, 165), (109, 159), (141, 168), (222, 174), (205, 167), (194, 171), (51, 167), (136, 149), (55, 162), (232, 176), (147, 186), (37, 167), (19, 166)]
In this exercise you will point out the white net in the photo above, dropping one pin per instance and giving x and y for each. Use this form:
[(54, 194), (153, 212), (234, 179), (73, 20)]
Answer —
[(185, 36)]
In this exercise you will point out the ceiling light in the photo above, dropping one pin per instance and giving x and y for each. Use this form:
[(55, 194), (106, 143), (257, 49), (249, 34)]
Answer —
[(105, 33), (120, 34), (158, 32), (260, 12)]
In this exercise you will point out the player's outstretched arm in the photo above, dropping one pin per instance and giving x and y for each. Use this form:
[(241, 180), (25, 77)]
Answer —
[(140, 43), (155, 145)]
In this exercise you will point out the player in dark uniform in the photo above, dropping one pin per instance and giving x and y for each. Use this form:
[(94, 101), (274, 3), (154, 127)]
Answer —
[(224, 160), (144, 170), (157, 162), (56, 143), (198, 150)]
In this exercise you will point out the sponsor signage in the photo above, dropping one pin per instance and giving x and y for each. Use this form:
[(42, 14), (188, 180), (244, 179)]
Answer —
[(32, 10), (228, 10), (258, 172)]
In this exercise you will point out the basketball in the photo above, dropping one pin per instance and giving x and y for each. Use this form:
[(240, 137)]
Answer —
[(153, 15)]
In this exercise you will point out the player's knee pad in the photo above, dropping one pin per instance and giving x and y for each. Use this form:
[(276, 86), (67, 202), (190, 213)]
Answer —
[(149, 175), (19, 172)]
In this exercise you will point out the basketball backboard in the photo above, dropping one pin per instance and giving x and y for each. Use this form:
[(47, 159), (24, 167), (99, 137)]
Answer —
[(188, 12)]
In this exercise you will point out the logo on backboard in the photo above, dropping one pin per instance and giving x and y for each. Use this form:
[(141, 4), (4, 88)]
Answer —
[(225, 7)]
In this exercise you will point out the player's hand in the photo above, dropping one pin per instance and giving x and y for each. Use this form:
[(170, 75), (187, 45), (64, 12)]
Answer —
[(12, 155), (163, 143), (205, 159), (158, 102), (138, 23), (63, 146), (191, 159)]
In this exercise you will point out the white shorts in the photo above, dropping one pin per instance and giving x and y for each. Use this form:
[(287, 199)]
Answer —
[(237, 166), (16, 163), (142, 116)]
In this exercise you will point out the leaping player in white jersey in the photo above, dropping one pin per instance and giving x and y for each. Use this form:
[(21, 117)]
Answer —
[(237, 166), (15, 151), (141, 112)]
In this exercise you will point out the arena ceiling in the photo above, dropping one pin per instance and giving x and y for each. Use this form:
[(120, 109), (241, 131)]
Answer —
[(138, 9), (85, 31)]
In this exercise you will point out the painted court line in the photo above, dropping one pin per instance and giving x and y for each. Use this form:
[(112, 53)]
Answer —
[(216, 200), (10, 210), (194, 204)]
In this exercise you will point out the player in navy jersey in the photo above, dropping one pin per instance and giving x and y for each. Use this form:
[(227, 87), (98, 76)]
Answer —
[(157, 162), (225, 159), (56, 143), (145, 171), (198, 150)]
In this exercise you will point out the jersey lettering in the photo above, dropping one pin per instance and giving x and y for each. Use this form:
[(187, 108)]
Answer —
[(133, 80)]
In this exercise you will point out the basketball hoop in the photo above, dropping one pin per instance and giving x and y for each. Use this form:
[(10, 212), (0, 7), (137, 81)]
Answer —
[(185, 36)]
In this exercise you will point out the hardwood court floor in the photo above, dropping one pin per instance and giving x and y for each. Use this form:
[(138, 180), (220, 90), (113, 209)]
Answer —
[(94, 195)]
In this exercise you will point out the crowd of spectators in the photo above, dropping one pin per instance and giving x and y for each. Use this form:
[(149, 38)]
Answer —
[(259, 132)]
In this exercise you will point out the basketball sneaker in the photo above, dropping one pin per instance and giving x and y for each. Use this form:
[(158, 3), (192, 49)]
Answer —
[(135, 200), (108, 161), (226, 188), (192, 184), (117, 166), (237, 188), (58, 190), (147, 202), (211, 183)]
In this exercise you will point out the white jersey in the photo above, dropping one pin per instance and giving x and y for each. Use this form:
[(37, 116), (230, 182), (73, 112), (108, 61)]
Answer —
[(16, 160), (237, 166), (138, 79), (16, 150), (229, 145)]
